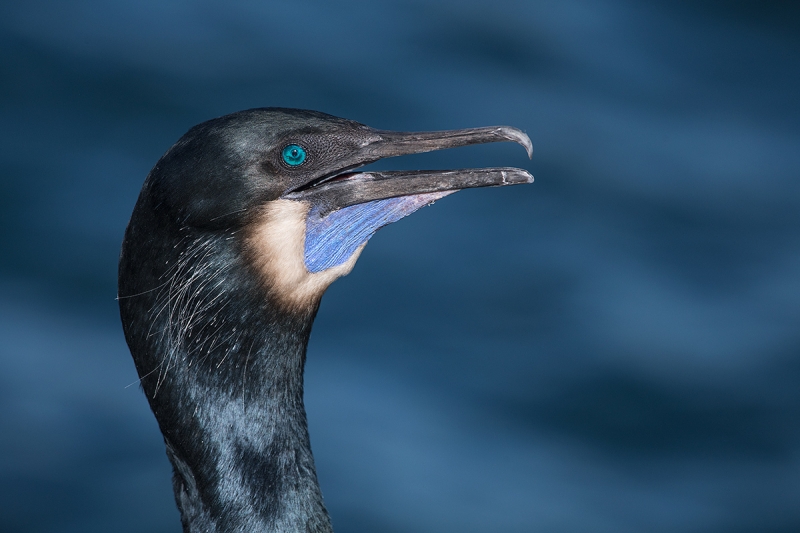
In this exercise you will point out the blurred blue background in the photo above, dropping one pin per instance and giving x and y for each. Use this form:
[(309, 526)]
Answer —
[(614, 348)]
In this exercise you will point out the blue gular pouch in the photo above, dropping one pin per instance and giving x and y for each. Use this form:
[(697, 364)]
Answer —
[(333, 238)]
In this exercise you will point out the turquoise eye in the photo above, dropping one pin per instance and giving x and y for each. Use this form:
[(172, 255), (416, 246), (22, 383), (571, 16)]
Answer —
[(294, 154)]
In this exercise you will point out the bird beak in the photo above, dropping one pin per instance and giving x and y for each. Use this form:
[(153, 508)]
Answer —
[(343, 187)]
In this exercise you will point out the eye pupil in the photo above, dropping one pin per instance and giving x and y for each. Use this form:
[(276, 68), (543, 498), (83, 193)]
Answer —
[(294, 154)]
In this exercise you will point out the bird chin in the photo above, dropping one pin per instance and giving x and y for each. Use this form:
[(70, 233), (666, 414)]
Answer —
[(331, 239), (274, 246), (299, 252)]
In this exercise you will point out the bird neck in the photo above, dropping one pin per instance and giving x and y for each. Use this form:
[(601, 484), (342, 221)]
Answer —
[(242, 459), (222, 368)]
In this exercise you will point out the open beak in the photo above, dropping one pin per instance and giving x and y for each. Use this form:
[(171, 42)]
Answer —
[(347, 208), (344, 188)]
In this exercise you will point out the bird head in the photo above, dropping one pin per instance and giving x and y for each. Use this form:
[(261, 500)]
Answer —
[(285, 180)]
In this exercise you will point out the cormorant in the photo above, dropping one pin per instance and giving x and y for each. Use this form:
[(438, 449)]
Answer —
[(237, 232)]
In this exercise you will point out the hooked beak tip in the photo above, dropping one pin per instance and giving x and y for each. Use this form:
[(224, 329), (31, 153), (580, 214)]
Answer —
[(518, 136)]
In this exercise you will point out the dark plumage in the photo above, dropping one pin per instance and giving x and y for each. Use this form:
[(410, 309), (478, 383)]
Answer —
[(219, 283)]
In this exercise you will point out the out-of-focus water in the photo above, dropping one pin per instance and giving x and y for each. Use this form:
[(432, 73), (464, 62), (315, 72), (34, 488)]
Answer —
[(613, 348)]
